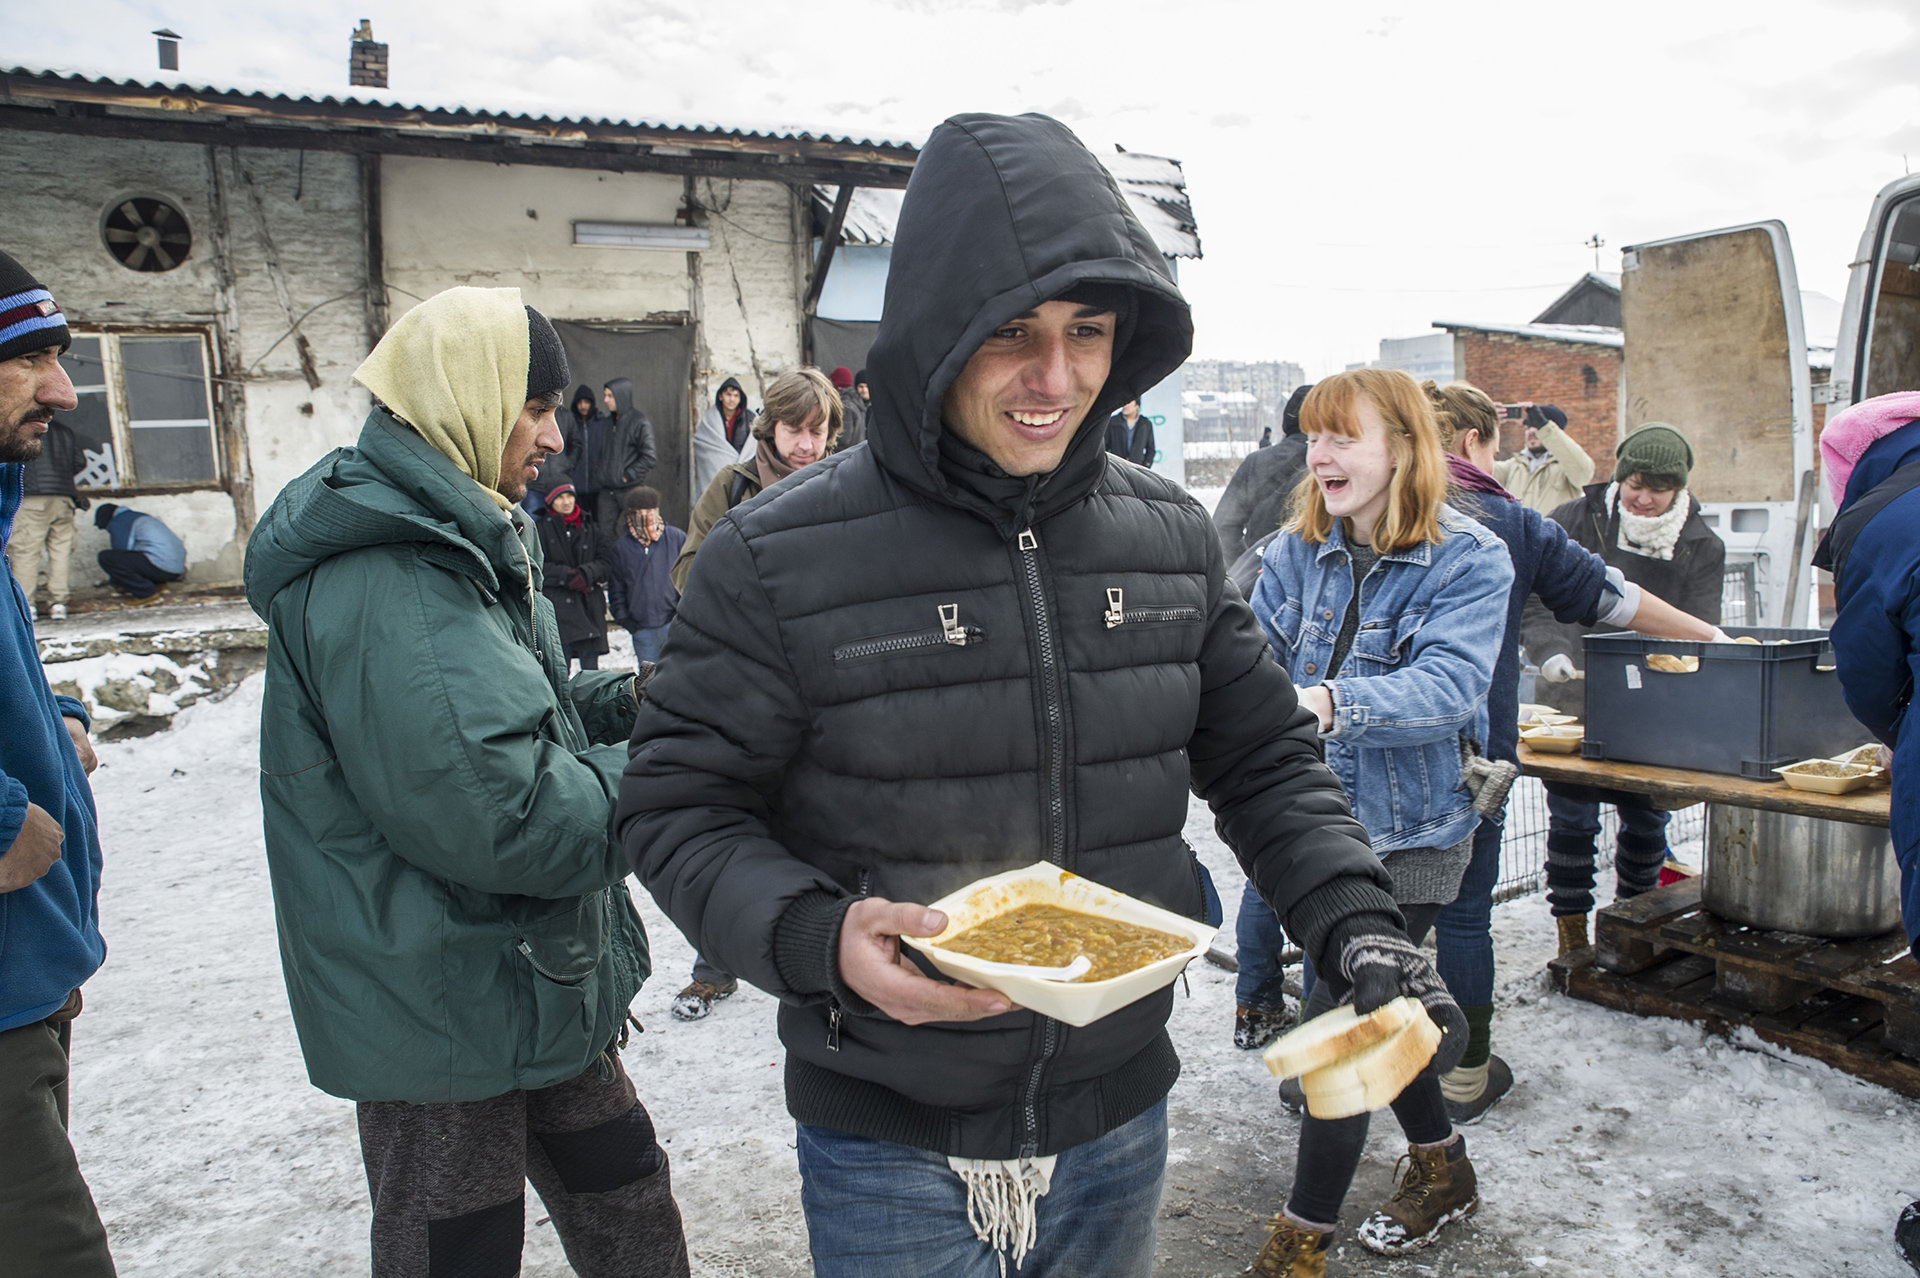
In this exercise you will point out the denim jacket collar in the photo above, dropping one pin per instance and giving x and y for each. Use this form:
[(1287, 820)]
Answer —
[(1336, 543)]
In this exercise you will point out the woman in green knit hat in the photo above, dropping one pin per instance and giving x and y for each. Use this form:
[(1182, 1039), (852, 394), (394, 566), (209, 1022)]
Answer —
[(1646, 524)]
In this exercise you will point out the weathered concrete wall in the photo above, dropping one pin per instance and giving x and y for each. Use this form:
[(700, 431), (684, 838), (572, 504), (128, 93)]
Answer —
[(752, 282), (450, 222), (444, 222), (244, 208)]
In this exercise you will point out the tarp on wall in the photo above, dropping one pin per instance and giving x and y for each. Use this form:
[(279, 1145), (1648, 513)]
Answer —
[(659, 361), (841, 343)]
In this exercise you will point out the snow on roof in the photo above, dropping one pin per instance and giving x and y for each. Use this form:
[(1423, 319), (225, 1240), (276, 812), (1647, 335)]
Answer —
[(523, 111), (1155, 188), (1591, 334)]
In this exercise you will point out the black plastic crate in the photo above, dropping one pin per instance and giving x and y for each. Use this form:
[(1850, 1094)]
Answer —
[(1748, 710)]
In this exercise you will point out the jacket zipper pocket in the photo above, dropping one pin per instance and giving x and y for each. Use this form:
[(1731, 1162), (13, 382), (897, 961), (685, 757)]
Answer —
[(547, 972), (951, 632), (1118, 614)]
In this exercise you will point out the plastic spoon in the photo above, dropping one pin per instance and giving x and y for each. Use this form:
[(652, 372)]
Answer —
[(1071, 972)]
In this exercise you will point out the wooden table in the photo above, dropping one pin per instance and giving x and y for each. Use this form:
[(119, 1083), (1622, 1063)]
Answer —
[(1679, 788)]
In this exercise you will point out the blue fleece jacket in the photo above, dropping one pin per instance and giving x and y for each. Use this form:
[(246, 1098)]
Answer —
[(49, 930), (132, 530), (1876, 641)]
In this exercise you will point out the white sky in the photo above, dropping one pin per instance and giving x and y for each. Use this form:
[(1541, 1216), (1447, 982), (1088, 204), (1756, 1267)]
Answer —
[(1358, 170)]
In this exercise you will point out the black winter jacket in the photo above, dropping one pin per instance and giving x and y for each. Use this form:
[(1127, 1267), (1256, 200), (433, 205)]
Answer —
[(1691, 581), (892, 673), (613, 454), (1140, 453), (1255, 502), (581, 616), (51, 473)]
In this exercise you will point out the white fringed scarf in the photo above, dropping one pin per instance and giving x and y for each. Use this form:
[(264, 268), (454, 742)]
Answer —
[(1002, 1201), (1651, 535)]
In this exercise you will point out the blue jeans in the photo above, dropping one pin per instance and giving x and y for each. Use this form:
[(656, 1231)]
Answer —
[(1464, 930), (1258, 941), (648, 642), (880, 1210)]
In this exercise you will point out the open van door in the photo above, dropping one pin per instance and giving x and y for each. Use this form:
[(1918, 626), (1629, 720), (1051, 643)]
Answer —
[(1716, 344), (1879, 345)]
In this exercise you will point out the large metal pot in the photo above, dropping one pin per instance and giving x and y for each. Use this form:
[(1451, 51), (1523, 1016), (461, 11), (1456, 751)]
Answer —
[(1800, 874)]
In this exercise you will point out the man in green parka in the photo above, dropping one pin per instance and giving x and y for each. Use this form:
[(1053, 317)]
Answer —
[(455, 930)]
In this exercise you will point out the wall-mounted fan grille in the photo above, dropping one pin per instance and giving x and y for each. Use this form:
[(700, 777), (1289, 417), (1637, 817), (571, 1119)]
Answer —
[(146, 234)]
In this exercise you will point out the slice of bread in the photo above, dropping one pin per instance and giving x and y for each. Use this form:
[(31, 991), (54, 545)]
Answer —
[(1336, 1035), (1371, 1078)]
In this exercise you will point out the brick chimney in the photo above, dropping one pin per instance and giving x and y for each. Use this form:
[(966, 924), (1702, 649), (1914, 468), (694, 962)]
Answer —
[(367, 64)]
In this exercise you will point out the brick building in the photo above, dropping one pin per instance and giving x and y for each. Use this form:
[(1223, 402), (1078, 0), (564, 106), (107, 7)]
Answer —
[(1576, 366)]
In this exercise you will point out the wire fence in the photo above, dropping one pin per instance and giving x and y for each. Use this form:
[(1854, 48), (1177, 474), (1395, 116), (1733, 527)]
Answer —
[(1523, 844)]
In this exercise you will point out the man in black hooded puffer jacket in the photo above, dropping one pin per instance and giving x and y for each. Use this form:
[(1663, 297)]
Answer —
[(976, 644)]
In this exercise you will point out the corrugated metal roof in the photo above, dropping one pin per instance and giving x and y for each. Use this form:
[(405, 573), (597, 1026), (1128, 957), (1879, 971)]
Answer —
[(539, 115), (1155, 187)]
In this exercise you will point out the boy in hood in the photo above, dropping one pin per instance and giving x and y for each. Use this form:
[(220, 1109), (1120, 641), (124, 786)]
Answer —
[(1024, 651), (458, 943)]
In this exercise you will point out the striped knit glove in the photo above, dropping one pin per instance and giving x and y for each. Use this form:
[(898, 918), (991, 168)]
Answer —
[(1382, 965)]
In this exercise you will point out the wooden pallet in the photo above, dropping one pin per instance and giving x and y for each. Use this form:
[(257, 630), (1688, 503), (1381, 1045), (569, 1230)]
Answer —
[(1852, 1004)]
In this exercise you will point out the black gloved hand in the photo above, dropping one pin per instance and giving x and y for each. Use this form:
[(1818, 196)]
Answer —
[(577, 581), (81, 503), (1382, 964)]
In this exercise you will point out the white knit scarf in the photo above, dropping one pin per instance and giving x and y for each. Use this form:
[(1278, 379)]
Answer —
[(1002, 1199), (1651, 535)]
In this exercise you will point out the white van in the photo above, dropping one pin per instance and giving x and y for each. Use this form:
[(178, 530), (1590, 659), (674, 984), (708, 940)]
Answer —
[(1717, 344)]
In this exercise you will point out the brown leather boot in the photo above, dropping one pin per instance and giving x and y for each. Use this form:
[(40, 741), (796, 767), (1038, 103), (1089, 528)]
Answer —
[(1438, 1189), (1292, 1251), (1573, 933)]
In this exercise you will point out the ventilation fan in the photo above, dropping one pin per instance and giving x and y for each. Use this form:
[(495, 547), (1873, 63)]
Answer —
[(145, 234)]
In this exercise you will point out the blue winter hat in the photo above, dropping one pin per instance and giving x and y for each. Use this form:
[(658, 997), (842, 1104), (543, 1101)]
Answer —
[(30, 320)]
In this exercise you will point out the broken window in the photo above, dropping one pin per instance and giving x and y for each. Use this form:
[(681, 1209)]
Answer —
[(145, 418)]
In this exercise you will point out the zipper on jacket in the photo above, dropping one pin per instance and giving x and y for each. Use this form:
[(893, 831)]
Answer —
[(1054, 783), (834, 1012), (950, 632), (1118, 614)]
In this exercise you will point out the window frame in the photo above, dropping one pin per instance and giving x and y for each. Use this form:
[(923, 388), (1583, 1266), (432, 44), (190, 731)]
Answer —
[(119, 415)]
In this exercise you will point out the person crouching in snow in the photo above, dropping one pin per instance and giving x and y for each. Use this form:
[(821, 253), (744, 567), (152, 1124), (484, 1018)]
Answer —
[(458, 942), (575, 571), (1385, 606), (638, 566)]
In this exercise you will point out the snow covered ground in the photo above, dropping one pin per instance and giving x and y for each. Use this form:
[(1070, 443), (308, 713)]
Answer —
[(1628, 1145)]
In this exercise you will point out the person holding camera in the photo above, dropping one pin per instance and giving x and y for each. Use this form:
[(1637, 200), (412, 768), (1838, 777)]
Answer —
[(1551, 470)]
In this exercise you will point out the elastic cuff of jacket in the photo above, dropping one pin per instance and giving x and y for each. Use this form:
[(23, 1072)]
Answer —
[(70, 708), (1315, 917), (13, 811), (806, 949)]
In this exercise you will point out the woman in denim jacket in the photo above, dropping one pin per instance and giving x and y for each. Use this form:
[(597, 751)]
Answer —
[(1398, 672)]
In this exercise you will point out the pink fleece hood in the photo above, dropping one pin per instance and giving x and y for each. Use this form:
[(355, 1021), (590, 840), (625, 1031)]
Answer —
[(1850, 433)]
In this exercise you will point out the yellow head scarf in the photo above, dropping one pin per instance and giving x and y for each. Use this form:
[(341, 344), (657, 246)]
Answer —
[(455, 369)]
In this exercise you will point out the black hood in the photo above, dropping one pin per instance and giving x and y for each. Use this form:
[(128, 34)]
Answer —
[(1003, 213), (735, 383), (583, 391), (622, 388)]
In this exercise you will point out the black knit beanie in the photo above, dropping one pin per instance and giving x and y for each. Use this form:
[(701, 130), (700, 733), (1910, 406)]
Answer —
[(103, 514), (547, 371), (30, 320), (1290, 416), (860, 378)]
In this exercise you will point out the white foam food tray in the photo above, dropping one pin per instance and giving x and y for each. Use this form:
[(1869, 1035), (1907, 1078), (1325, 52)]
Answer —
[(1074, 1002)]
